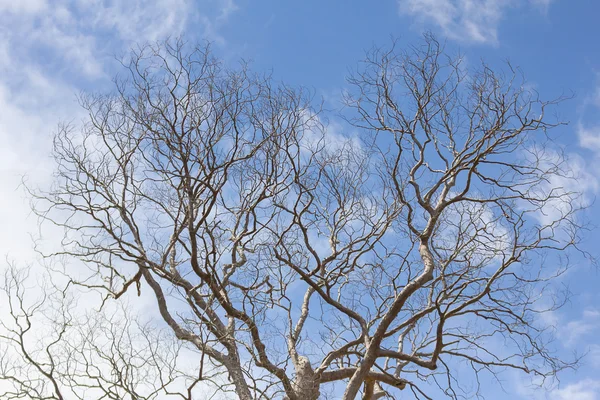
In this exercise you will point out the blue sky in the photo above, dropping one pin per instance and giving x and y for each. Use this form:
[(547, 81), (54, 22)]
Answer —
[(52, 49)]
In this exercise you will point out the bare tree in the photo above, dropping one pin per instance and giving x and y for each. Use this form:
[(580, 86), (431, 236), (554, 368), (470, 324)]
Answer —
[(305, 263), (51, 349)]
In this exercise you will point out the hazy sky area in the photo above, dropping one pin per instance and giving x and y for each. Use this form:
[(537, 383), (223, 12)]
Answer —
[(51, 50)]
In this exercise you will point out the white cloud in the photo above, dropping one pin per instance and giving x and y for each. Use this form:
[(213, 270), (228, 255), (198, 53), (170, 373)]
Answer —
[(570, 182), (25, 121), (228, 8), (587, 389), (593, 356), (48, 53), (574, 330), (477, 229), (464, 20), (78, 37), (570, 333), (538, 389), (22, 6), (589, 137), (139, 20)]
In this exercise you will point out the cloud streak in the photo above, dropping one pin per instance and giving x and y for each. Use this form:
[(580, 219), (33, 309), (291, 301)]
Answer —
[(474, 21), (587, 389)]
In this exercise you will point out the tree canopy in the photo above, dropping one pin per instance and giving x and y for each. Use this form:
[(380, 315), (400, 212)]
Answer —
[(392, 249)]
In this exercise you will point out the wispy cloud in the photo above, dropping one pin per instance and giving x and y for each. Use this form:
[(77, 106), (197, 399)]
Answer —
[(572, 186), (593, 356), (574, 330), (22, 6), (49, 51), (570, 332), (537, 389), (464, 20), (29, 107), (589, 137), (80, 35), (587, 389)]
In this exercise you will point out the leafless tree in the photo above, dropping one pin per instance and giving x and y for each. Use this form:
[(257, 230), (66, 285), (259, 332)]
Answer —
[(51, 349), (302, 262)]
